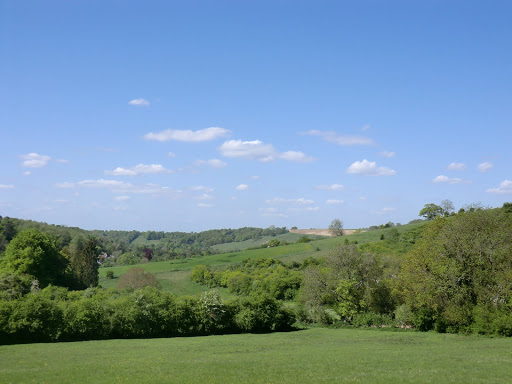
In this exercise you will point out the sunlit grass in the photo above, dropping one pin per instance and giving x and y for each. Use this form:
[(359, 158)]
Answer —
[(313, 356)]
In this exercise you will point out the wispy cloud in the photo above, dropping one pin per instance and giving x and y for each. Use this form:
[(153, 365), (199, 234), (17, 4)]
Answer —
[(388, 154), (214, 163), (242, 187), (201, 188), (334, 202), (139, 102), (485, 166), (201, 135), (117, 186), (34, 160), (6, 186), (205, 205), (171, 154), (271, 212), (258, 150), (505, 188), (252, 150), (344, 140), (122, 198), (279, 200), (332, 187), (385, 210), (456, 167), (369, 168), (296, 156), (139, 169), (449, 180)]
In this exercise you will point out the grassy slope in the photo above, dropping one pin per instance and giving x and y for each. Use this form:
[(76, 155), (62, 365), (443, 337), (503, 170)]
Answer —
[(311, 356), (241, 245), (174, 275)]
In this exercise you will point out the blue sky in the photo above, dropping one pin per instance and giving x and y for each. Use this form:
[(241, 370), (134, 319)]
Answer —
[(192, 115)]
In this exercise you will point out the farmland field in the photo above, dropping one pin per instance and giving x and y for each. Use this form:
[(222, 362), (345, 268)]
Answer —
[(316, 355)]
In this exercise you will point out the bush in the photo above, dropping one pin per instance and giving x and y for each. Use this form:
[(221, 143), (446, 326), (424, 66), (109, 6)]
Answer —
[(137, 278), (370, 319), (109, 275)]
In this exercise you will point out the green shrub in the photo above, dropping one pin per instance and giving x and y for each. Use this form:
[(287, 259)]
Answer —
[(137, 278), (109, 275)]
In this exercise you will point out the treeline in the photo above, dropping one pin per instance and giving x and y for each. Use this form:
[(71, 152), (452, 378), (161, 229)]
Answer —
[(55, 314), (453, 274), (131, 247)]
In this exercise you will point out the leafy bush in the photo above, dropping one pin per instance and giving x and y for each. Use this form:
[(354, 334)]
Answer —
[(137, 278), (109, 275)]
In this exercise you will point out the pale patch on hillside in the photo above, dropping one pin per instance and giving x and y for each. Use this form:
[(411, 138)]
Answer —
[(320, 232)]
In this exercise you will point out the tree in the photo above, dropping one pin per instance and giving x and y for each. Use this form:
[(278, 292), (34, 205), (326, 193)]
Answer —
[(137, 278), (431, 211), (448, 207), (336, 227), (84, 263), (35, 254)]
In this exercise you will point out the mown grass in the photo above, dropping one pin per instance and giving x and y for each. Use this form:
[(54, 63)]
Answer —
[(313, 356), (242, 245)]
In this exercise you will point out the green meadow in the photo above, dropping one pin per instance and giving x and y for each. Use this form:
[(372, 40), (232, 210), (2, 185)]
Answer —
[(317, 355)]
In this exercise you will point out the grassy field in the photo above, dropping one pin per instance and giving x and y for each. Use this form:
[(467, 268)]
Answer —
[(174, 275), (312, 356), (241, 245)]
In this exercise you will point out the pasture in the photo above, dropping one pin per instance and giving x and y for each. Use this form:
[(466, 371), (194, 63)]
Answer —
[(317, 355)]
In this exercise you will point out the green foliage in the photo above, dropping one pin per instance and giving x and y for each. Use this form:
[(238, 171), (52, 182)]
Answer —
[(431, 211), (109, 274), (304, 239), (84, 263), (336, 227), (461, 262), (37, 255), (56, 314)]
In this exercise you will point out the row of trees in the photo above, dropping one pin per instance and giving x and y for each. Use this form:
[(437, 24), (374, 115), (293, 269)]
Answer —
[(57, 314)]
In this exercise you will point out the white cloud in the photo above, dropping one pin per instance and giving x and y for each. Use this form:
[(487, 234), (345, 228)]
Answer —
[(334, 202), (504, 188), (345, 140), (242, 187), (253, 150), (204, 196), (272, 212), (171, 154), (300, 201), (34, 160), (296, 156), (27, 173), (387, 154), (139, 102), (122, 198), (332, 187), (214, 163), (369, 168), (485, 166), (62, 161), (204, 205), (6, 186), (117, 186), (383, 211), (364, 128), (139, 169), (257, 150), (449, 180), (206, 134), (312, 209), (255, 177), (201, 188), (456, 167)]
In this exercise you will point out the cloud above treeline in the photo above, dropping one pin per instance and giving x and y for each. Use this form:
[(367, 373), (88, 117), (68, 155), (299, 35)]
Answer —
[(456, 167), (258, 150), (190, 136), (449, 180), (504, 188), (485, 166), (344, 140), (369, 168), (34, 160), (139, 102), (139, 169), (332, 187)]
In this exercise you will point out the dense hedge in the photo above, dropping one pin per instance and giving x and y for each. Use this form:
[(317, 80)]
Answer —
[(55, 314)]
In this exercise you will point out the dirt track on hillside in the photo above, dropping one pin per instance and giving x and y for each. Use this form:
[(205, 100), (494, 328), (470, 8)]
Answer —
[(320, 232)]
